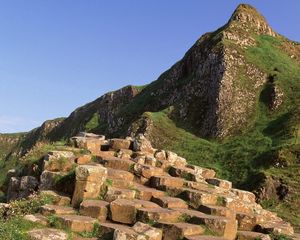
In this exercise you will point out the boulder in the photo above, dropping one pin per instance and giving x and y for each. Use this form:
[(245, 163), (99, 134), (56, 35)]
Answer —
[(48, 179)]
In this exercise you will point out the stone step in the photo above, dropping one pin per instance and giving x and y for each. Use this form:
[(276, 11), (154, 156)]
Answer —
[(77, 223), (185, 173), (204, 172), (139, 231), (204, 237), (150, 232), (174, 231), (83, 238), (147, 215), (116, 163), (217, 211), (220, 183), (275, 227), (169, 202), (119, 174), (57, 198), (147, 171), (114, 193), (248, 235), (202, 186), (117, 144), (196, 198), (47, 233), (48, 210), (108, 229), (94, 208), (146, 193), (247, 221), (37, 218), (124, 211), (119, 178), (244, 195), (220, 225), (161, 182)]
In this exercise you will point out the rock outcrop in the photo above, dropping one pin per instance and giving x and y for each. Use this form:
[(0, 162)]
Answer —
[(151, 192)]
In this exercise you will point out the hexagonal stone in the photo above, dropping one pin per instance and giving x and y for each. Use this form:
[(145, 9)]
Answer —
[(94, 208), (217, 210), (117, 143), (47, 234), (174, 231), (147, 171), (77, 223), (220, 183), (197, 198), (223, 226), (158, 214), (89, 180), (114, 193), (150, 232), (146, 193), (108, 229), (91, 173), (116, 163), (275, 227), (48, 210), (244, 195), (170, 202), (119, 174), (161, 182), (124, 211)]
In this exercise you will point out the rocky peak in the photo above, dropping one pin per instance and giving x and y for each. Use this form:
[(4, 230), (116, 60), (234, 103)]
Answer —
[(247, 18)]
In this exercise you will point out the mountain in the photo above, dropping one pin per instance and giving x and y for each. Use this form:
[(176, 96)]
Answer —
[(231, 103)]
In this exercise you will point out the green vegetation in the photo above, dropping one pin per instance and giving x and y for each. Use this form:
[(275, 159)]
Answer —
[(15, 227), (271, 140), (93, 123)]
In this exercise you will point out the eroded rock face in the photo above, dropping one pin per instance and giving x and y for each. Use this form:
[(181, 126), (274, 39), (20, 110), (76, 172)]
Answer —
[(21, 187)]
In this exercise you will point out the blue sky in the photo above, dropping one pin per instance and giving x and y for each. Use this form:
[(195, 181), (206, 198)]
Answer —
[(56, 55)]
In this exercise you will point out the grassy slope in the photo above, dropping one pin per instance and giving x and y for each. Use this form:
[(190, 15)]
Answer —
[(273, 133)]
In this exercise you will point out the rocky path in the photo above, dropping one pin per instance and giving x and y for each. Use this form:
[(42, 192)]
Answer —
[(127, 190)]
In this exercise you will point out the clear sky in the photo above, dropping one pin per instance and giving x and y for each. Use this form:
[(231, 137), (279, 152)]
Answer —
[(56, 55)]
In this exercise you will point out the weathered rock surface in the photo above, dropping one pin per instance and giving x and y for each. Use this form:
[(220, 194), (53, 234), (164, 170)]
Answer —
[(140, 191)]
